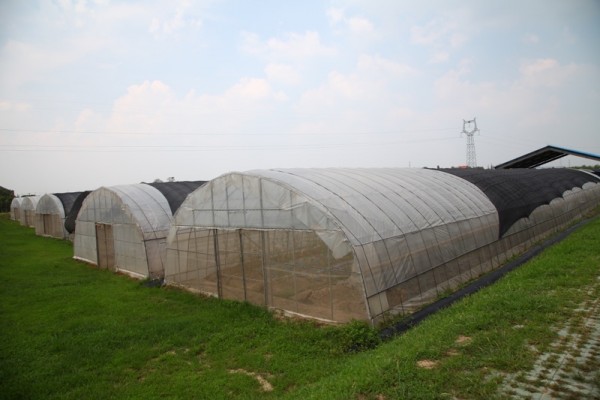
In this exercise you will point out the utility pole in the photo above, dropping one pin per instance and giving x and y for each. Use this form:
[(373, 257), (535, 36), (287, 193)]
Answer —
[(469, 129)]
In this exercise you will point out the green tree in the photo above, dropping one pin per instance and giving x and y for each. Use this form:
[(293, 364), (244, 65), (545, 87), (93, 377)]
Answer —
[(6, 196)]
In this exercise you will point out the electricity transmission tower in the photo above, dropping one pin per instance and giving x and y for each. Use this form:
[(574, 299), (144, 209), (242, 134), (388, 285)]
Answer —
[(469, 129)]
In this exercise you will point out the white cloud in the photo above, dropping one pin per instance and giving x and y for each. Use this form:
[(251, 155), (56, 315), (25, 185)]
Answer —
[(252, 89), (152, 106), (384, 68), (547, 72), (143, 108), (291, 45), (335, 15), (533, 103), (19, 107), (369, 85), (531, 38), (356, 25), (176, 20), (443, 35), (282, 73), (25, 62)]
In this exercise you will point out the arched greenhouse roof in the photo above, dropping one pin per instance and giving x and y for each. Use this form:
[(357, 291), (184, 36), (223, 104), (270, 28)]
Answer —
[(16, 202), (142, 203), (367, 204), (50, 204), (30, 202), (56, 203)]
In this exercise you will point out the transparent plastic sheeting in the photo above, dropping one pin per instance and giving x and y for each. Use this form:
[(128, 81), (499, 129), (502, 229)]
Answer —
[(50, 217), (378, 228), (15, 209), (27, 212), (124, 228), (338, 244)]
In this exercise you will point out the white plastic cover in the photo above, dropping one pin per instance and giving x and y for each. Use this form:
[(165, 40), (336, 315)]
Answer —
[(396, 224), (139, 217), (28, 205), (15, 209), (50, 217)]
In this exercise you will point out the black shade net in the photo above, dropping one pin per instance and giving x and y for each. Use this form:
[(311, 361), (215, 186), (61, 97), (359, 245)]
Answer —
[(517, 192), (71, 216), (176, 192)]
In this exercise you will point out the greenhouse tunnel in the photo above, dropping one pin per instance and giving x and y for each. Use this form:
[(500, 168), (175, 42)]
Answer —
[(50, 214), (343, 244), (15, 209), (124, 228), (27, 212)]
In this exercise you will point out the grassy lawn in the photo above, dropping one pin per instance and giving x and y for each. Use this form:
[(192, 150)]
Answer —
[(68, 330)]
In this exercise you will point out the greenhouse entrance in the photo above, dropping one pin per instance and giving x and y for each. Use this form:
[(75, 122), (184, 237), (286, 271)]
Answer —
[(239, 265), (105, 245), (291, 270)]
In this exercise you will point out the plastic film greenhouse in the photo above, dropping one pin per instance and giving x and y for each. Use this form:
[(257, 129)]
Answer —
[(50, 214), (342, 244), (27, 213), (15, 209), (124, 228)]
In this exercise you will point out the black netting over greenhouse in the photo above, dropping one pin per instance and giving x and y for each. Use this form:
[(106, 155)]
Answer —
[(517, 192), (176, 192), (343, 244), (67, 200), (74, 210)]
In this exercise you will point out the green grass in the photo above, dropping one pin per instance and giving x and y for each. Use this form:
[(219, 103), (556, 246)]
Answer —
[(68, 330)]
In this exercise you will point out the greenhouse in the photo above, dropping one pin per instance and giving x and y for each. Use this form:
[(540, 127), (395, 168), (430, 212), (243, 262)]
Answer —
[(343, 244), (124, 228), (27, 213), (15, 209), (50, 214)]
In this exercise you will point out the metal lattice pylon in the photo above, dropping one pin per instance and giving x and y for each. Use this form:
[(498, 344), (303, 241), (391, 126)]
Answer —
[(471, 156)]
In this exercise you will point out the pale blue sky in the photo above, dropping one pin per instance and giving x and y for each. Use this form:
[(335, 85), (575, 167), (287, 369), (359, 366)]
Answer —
[(103, 92)]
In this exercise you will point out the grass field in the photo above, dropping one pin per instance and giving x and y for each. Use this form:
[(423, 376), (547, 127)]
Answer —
[(70, 331)]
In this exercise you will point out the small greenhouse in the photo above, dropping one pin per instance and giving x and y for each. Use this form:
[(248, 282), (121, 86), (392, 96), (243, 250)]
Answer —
[(124, 228), (342, 244), (27, 213), (15, 209), (50, 214)]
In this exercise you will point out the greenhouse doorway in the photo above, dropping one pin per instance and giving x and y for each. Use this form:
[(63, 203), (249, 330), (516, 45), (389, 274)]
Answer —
[(240, 265), (48, 226), (105, 246)]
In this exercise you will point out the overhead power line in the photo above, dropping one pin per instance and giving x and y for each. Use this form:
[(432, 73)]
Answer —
[(201, 133), (192, 148)]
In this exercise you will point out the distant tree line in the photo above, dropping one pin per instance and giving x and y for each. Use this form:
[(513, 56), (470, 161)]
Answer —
[(6, 197), (593, 167)]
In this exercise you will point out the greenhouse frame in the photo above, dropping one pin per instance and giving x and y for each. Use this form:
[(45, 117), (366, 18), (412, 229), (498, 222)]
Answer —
[(124, 228), (27, 212), (366, 244), (15, 209), (50, 214)]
